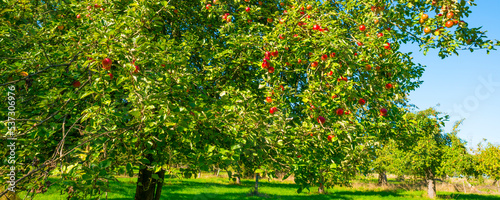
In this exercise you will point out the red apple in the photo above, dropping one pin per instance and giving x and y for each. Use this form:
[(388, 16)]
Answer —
[(299, 156), (110, 75), (330, 73), (106, 63), (265, 65), (339, 111), (316, 27), (272, 110), (332, 55), (387, 45), (380, 34), (360, 43), (270, 70), (449, 24), (330, 138), (136, 69), (281, 36), (269, 100), (362, 27), (383, 112), (267, 54), (362, 101), (76, 84), (321, 120), (314, 64), (208, 6), (78, 16), (275, 53), (247, 9), (388, 86), (334, 96)]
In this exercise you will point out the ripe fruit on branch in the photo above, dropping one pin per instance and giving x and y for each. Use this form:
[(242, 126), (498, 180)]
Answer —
[(427, 30), (324, 57), (388, 86), (339, 112), (265, 64), (275, 53), (449, 24), (281, 37), (78, 16), (76, 84), (309, 7), (424, 17), (110, 75), (380, 34), (299, 156), (247, 9), (24, 74), (282, 88), (269, 100), (267, 54), (273, 109), (383, 112), (208, 6), (270, 70), (332, 55), (387, 45), (360, 43), (368, 67), (362, 27), (136, 69), (449, 15), (269, 20), (106, 63), (314, 64), (321, 120), (330, 73), (330, 138), (361, 101), (316, 27)]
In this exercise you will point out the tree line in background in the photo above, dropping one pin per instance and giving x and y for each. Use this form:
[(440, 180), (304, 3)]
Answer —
[(313, 89)]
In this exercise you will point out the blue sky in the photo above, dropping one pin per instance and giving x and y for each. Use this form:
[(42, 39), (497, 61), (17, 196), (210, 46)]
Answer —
[(465, 86)]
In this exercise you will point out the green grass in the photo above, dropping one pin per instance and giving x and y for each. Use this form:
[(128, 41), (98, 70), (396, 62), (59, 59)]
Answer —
[(221, 188)]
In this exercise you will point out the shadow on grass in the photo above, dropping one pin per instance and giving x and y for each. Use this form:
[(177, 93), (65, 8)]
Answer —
[(468, 196)]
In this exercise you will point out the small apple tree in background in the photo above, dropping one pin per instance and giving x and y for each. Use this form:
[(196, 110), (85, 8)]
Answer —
[(108, 87), (488, 161)]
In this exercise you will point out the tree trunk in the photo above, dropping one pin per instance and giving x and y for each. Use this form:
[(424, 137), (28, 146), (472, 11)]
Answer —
[(147, 187), (498, 186), (431, 184), (238, 179), (321, 188), (256, 191), (382, 178), (161, 175)]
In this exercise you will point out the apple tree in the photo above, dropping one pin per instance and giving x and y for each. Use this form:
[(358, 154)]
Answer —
[(103, 88)]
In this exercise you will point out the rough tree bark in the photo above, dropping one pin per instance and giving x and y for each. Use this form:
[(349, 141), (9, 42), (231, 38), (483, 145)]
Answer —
[(382, 178), (431, 184), (321, 188), (147, 187)]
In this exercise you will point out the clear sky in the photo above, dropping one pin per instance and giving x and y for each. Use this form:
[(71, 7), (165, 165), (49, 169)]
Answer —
[(465, 86)]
